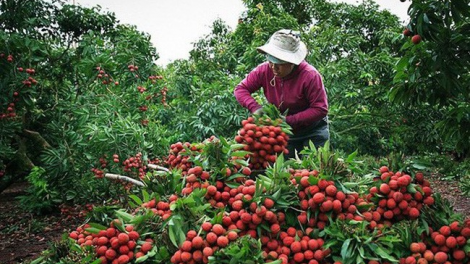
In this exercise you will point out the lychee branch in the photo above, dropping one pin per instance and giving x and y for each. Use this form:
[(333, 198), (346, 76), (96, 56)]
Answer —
[(123, 178), (156, 167), (35, 136)]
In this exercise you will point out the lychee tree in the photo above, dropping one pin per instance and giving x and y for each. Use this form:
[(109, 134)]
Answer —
[(72, 73), (433, 72)]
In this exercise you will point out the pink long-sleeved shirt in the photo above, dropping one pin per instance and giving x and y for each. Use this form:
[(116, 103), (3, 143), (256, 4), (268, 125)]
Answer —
[(301, 93)]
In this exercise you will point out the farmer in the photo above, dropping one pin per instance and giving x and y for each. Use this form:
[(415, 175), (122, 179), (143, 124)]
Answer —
[(291, 84)]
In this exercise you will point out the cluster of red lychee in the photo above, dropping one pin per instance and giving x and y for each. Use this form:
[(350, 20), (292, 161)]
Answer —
[(111, 245), (30, 71), (323, 198), (160, 208), (264, 140), (217, 194), (195, 178), (416, 39), (132, 68), (178, 157), (9, 57), (99, 173), (197, 249), (395, 200), (144, 122), (102, 75), (294, 246), (445, 245), (135, 163), (163, 93), (290, 246), (71, 212), (30, 80), (141, 89), (10, 112), (154, 78), (220, 195)]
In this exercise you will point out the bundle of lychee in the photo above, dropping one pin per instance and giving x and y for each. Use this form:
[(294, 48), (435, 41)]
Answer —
[(181, 153), (218, 195), (248, 220), (133, 162), (244, 214), (446, 245), (396, 197), (111, 245), (197, 249), (264, 138), (294, 246), (160, 208), (179, 156), (323, 197), (195, 178), (99, 173)]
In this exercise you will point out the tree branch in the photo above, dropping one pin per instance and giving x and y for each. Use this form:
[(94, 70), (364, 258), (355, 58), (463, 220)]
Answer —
[(36, 137), (123, 178)]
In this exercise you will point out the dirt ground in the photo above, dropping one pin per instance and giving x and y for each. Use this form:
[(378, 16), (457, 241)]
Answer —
[(24, 236)]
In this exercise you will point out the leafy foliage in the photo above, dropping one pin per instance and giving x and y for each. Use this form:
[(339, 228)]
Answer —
[(244, 250), (355, 243), (434, 72)]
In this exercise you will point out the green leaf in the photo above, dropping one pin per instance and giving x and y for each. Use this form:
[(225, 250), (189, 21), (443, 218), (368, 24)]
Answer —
[(38, 260), (313, 180), (145, 195), (351, 157), (142, 259), (411, 188), (232, 185), (236, 147), (98, 226), (98, 261), (93, 230), (384, 254), (466, 248), (136, 199), (240, 153), (175, 232), (241, 162), (345, 250), (124, 216), (425, 19)]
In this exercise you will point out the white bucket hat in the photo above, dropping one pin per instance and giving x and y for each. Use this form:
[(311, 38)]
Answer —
[(285, 45)]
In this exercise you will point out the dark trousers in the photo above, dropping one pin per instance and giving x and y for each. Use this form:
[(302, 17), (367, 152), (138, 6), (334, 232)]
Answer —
[(319, 136)]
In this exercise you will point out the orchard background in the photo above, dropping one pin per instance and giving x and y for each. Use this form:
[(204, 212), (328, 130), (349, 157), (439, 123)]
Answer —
[(81, 97)]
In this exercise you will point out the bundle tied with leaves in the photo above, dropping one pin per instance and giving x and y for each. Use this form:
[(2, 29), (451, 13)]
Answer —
[(265, 136)]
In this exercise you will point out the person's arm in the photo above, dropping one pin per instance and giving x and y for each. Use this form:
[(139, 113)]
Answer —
[(318, 102), (245, 88)]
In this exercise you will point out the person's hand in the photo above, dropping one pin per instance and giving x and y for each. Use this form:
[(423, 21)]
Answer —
[(259, 111)]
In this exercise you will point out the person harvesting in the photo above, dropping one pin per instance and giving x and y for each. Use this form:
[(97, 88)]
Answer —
[(293, 86)]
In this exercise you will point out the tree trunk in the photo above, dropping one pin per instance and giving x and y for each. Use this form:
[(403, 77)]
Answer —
[(21, 164)]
